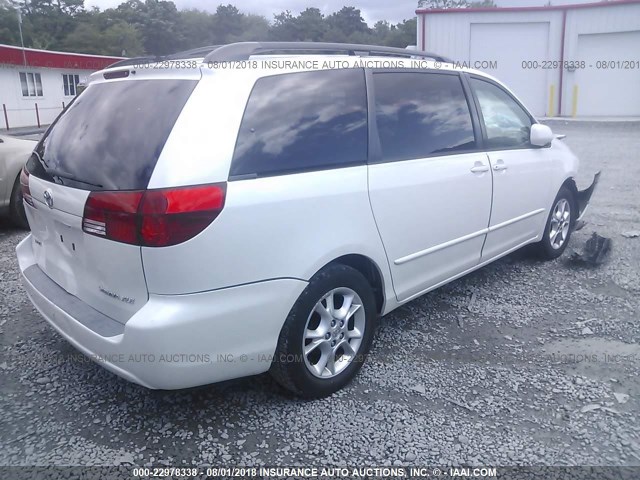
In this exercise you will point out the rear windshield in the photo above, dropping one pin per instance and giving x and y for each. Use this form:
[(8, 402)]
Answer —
[(110, 138)]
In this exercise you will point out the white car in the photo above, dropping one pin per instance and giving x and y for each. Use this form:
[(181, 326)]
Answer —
[(260, 210), (14, 153)]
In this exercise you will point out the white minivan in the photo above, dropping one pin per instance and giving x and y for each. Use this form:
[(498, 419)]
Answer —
[(257, 206)]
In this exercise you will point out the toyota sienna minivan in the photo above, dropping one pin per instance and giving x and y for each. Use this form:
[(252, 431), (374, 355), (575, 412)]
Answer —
[(257, 206)]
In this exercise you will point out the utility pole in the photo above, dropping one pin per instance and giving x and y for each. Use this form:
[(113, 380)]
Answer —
[(24, 55)]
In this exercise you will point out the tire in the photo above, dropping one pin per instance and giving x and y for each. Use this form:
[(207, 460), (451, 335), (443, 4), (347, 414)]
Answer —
[(555, 240), (333, 333), (16, 206)]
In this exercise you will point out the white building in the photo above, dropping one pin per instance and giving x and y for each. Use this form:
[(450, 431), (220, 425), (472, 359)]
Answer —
[(36, 84), (571, 60)]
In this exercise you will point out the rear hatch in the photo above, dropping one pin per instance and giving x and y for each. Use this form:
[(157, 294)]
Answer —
[(108, 140)]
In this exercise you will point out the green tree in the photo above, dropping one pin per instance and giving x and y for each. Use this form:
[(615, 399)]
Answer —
[(381, 29), (311, 25), (483, 4), (122, 39), (284, 28), (456, 3), (103, 36), (130, 11), (441, 4), (403, 34), (159, 28), (47, 22), (197, 28), (347, 21), (227, 23), (85, 38), (8, 24), (254, 28)]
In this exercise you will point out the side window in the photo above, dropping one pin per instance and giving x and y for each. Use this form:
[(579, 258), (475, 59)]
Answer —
[(421, 114), (507, 124), (303, 121)]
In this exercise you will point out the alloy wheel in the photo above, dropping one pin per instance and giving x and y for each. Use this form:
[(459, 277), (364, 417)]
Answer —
[(560, 224), (333, 333)]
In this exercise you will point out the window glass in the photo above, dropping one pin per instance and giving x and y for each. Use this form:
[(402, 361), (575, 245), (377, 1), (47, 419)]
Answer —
[(506, 123), (32, 85), (111, 136), (23, 84), (70, 84), (38, 84), (421, 114), (303, 121)]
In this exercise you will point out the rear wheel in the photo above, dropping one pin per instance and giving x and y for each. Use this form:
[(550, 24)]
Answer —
[(16, 206), (327, 334), (559, 226)]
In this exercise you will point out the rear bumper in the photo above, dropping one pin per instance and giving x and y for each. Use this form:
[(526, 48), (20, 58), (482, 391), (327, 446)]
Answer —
[(173, 341)]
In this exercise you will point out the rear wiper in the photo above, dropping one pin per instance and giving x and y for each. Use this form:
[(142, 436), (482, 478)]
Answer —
[(52, 172), (68, 176), (41, 161)]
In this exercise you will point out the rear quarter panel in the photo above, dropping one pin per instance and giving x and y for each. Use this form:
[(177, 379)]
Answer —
[(286, 226)]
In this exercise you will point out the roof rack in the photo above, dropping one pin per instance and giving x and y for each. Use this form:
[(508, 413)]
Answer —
[(244, 50)]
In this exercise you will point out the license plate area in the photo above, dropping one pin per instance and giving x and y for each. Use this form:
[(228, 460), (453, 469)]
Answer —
[(57, 244)]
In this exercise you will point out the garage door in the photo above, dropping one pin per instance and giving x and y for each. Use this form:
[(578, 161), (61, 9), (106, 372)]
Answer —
[(511, 44), (612, 91)]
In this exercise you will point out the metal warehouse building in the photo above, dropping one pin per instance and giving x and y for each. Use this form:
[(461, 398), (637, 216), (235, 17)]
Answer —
[(36, 84), (572, 60)]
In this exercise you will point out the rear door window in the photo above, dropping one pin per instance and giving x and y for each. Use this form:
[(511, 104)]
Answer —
[(111, 136), (303, 121), (421, 114)]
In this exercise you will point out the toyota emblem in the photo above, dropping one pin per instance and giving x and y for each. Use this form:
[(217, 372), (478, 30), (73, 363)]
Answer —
[(48, 197)]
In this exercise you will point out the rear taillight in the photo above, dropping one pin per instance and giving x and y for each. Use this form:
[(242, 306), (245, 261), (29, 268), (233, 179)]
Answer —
[(153, 218), (24, 186)]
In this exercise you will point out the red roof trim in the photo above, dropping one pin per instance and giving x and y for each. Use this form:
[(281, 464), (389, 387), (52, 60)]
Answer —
[(527, 9), (48, 59)]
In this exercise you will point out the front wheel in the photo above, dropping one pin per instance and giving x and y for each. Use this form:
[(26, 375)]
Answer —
[(327, 334), (559, 226)]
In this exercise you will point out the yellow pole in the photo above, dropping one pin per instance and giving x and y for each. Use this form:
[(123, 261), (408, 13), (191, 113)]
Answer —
[(552, 96), (574, 110)]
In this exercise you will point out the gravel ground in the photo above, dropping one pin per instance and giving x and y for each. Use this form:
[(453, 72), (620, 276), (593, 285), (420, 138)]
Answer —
[(520, 363)]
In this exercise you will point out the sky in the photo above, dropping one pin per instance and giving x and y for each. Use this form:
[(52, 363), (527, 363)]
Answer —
[(372, 10)]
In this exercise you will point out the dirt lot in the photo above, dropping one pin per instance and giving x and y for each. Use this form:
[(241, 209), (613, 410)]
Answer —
[(522, 362)]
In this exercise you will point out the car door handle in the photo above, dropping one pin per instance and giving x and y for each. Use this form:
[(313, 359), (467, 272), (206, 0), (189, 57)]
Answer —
[(479, 168), (499, 166)]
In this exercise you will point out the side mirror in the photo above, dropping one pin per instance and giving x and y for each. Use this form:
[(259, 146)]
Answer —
[(541, 135)]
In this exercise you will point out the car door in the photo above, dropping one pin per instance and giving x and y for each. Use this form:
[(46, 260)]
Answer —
[(14, 153), (521, 171), (429, 184)]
